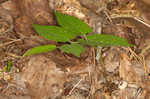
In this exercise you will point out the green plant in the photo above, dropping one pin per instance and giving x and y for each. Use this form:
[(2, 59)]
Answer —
[(69, 28), (7, 68)]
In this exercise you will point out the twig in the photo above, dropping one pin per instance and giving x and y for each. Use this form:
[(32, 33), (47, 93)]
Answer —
[(135, 55), (145, 49), (133, 17), (139, 91), (75, 86), (10, 42), (144, 63), (14, 55)]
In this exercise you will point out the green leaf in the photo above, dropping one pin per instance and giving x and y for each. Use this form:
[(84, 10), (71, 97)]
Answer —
[(74, 49), (72, 24), (53, 33), (104, 40), (8, 66), (40, 49)]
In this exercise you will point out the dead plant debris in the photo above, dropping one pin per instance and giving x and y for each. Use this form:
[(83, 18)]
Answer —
[(118, 73)]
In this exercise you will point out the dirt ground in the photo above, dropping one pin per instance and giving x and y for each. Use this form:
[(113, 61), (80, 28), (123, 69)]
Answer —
[(100, 73)]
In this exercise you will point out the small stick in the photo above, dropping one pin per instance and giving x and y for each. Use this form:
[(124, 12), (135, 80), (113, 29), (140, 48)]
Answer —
[(10, 42), (75, 87)]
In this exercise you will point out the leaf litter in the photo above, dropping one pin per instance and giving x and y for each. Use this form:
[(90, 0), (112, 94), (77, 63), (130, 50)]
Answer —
[(121, 73)]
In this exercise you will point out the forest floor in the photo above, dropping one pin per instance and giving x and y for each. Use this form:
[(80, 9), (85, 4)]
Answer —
[(119, 73)]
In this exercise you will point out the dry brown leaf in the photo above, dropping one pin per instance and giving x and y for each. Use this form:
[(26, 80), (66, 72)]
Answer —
[(43, 78), (127, 71)]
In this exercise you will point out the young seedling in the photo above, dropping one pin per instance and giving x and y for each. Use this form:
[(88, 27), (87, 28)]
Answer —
[(7, 68), (69, 28)]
